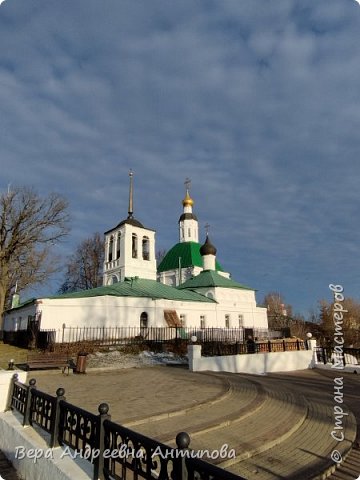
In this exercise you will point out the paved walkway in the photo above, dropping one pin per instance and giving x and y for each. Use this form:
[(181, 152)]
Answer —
[(279, 425)]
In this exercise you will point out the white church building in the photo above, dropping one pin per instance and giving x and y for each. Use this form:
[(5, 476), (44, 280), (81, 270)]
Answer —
[(188, 288)]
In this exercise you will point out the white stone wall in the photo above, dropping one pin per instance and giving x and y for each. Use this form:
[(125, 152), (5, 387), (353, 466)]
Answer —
[(5, 383), (255, 363)]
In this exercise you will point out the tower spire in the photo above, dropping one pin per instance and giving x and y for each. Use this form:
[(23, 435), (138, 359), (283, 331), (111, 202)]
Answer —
[(131, 194)]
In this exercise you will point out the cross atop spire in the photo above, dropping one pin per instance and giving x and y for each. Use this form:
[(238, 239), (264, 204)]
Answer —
[(207, 228), (187, 184)]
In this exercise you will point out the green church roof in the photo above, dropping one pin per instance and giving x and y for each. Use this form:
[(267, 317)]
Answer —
[(210, 278), (139, 287), (189, 252)]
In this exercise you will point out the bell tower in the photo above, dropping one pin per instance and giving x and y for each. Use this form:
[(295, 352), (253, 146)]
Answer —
[(129, 247)]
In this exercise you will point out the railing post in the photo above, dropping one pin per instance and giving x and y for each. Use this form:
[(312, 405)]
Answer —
[(27, 410), (14, 379), (182, 442), (297, 345), (54, 440), (269, 346), (284, 345), (99, 460)]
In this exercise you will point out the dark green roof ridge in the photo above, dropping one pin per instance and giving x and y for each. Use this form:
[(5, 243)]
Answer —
[(138, 287), (211, 278)]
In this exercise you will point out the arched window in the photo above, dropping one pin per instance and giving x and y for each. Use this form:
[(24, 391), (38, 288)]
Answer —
[(118, 245), (143, 323), (111, 246), (134, 246), (145, 248), (113, 279)]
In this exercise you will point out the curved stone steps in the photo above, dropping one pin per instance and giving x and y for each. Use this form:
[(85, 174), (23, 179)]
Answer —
[(255, 433), (243, 400), (309, 449)]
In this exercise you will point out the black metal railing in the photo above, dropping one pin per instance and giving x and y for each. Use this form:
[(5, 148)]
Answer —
[(116, 452), (138, 335), (143, 456), (20, 397), (44, 412), (211, 349), (78, 428), (339, 355)]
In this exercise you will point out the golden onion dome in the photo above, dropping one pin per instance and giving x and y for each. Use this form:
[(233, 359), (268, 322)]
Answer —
[(188, 201)]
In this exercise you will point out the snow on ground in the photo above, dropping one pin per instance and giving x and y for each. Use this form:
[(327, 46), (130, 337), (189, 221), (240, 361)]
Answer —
[(117, 359)]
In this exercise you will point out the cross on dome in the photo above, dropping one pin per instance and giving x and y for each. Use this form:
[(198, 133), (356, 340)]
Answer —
[(188, 201)]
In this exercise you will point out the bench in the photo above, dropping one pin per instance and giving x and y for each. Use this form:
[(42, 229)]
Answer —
[(45, 360)]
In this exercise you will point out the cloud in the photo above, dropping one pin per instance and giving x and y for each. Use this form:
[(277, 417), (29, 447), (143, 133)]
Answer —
[(257, 104)]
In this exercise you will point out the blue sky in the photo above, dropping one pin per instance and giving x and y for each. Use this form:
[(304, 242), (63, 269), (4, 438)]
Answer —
[(257, 101)]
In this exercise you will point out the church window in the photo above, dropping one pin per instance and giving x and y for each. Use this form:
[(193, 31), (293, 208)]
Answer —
[(241, 320), (145, 248), (114, 279), (134, 245), (118, 245), (189, 232), (143, 322), (202, 321), (182, 320), (227, 321), (111, 246)]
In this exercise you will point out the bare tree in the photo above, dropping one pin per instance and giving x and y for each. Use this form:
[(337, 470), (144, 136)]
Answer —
[(29, 227), (350, 324), (279, 313), (160, 254), (84, 268)]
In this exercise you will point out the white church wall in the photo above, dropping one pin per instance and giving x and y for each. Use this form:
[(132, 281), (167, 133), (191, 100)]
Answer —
[(107, 311), (251, 316), (232, 303)]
